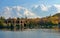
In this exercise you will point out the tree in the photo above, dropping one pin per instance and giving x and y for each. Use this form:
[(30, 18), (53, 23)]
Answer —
[(1, 24), (17, 26), (12, 27)]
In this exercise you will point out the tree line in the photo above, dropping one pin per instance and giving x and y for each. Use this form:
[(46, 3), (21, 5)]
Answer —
[(45, 22)]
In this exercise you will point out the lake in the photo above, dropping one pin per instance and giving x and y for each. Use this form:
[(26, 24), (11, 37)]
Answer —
[(31, 33)]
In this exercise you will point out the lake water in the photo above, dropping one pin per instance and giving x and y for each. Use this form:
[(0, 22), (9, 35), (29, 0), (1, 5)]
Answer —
[(34, 33)]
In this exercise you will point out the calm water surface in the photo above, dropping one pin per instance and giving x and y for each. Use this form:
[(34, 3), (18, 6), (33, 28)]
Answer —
[(38, 33)]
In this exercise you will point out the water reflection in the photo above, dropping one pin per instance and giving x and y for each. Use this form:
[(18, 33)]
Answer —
[(39, 33)]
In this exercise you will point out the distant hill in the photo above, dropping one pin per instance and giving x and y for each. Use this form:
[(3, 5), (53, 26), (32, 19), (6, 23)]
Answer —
[(58, 14)]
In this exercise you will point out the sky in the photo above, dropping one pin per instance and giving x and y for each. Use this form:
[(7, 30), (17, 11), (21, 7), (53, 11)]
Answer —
[(29, 8)]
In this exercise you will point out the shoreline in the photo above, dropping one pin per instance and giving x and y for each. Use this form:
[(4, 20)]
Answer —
[(29, 29)]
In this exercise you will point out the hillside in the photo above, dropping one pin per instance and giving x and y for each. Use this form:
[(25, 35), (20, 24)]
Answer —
[(58, 14)]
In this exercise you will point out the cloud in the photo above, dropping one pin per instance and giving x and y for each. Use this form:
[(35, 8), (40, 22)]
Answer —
[(44, 8), (35, 6), (10, 12), (18, 11), (18, 8), (26, 12), (41, 7), (7, 12), (58, 7), (29, 14), (36, 11)]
